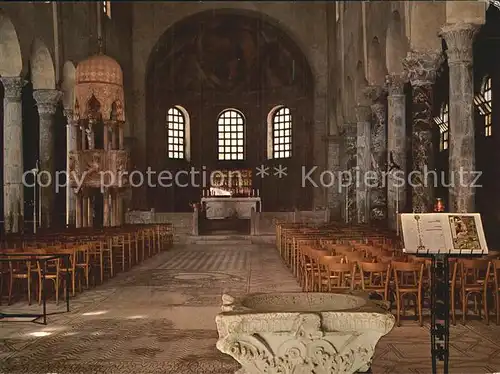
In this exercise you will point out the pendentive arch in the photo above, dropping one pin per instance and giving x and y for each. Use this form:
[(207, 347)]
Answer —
[(11, 63), (42, 67)]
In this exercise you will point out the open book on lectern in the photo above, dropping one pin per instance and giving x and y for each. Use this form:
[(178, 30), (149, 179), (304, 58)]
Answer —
[(443, 233)]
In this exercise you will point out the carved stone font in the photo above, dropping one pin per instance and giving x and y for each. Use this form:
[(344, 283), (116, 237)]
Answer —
[(302, 333)]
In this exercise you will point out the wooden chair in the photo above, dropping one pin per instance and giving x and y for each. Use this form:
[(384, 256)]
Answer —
[(20, 269), (340, 276), (408, 281), (473, 282), (375, 277), (494, 270), (324, 273), (48, 270)]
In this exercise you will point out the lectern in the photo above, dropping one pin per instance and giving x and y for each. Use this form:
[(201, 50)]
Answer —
[(441, 236)]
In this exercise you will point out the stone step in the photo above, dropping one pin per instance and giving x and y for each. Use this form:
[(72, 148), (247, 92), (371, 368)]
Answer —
[(230, 239)]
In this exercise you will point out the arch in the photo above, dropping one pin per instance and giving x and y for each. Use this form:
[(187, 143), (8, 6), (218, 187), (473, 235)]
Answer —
[(484, 104), (231, 135), (11, 63), (43, 75), (279, 133), (68, 84), (376, 63), (265, 19), (396, 46), (178, 133), (443, 122)]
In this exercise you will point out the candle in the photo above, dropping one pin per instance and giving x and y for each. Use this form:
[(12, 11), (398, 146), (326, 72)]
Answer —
[(258, 192)]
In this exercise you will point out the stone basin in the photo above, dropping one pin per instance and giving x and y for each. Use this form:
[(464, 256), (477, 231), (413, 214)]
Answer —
[(302, 333)]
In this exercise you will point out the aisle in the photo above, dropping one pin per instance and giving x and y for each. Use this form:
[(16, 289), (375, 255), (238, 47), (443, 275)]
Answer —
[(160, 319)]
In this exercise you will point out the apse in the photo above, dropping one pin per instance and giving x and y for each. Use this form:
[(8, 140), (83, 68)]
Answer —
[(226, 62)]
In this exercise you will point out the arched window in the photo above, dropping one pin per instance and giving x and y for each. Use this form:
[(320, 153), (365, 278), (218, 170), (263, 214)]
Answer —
[(483, 103), (231, 135), (280, 134), (106, 8), (444, 127), (176, 132)]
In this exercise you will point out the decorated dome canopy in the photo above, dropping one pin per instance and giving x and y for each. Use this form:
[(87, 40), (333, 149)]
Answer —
[(100, 78)]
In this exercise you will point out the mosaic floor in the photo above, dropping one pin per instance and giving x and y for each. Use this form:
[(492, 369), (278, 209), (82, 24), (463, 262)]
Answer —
[(159, 319)]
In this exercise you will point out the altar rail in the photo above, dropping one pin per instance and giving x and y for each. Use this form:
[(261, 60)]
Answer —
[(183, 222)]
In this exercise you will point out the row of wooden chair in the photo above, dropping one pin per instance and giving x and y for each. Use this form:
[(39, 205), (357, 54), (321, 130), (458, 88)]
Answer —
[(334, 258), (98, 253)]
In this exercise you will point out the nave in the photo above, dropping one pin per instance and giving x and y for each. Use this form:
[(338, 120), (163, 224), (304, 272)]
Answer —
[(160, 318)]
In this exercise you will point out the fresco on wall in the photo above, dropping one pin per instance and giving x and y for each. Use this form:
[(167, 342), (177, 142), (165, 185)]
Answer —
[(229, 52)]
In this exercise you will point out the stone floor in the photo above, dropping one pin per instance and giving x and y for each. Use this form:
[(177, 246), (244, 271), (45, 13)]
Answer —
[(159, 318)]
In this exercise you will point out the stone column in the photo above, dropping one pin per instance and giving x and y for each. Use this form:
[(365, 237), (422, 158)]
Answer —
[(378, 157), (459, 39), (46, 101), (85, 211), (363, 117), (13, 188), (333, 196), (79, 210), (105, 197), (72, 146), (349, 189), (421, 69), (396, 148)]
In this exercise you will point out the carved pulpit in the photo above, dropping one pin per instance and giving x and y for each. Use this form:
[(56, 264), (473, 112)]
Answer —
[(99, 166)]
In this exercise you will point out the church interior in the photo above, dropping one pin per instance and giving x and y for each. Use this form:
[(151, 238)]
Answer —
[(249, 187)]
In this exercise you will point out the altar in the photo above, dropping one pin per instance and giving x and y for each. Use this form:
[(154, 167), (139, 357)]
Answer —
[(221, 207)]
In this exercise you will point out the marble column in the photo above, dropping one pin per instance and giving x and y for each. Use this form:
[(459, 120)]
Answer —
[(334, 196), (462, 153), (396, 148), (72, 145), (378, 145), (421, 69), (13, 167), (79, 210), (349, 188), (46, 101), (363, 158), (106, 220)]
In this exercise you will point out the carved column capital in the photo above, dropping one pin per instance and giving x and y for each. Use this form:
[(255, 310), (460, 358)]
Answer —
[(13, 87), (459, 38), (422, 67), (363, 113), (395, 84), (350, 129), (378, 110), (374, 93), (46, 100)]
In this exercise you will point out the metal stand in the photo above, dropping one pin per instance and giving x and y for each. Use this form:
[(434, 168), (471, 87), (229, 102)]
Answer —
[(43, 260), (440, 311)]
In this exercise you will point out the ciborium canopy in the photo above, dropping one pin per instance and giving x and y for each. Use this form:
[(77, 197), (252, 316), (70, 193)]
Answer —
[(99, 79)]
